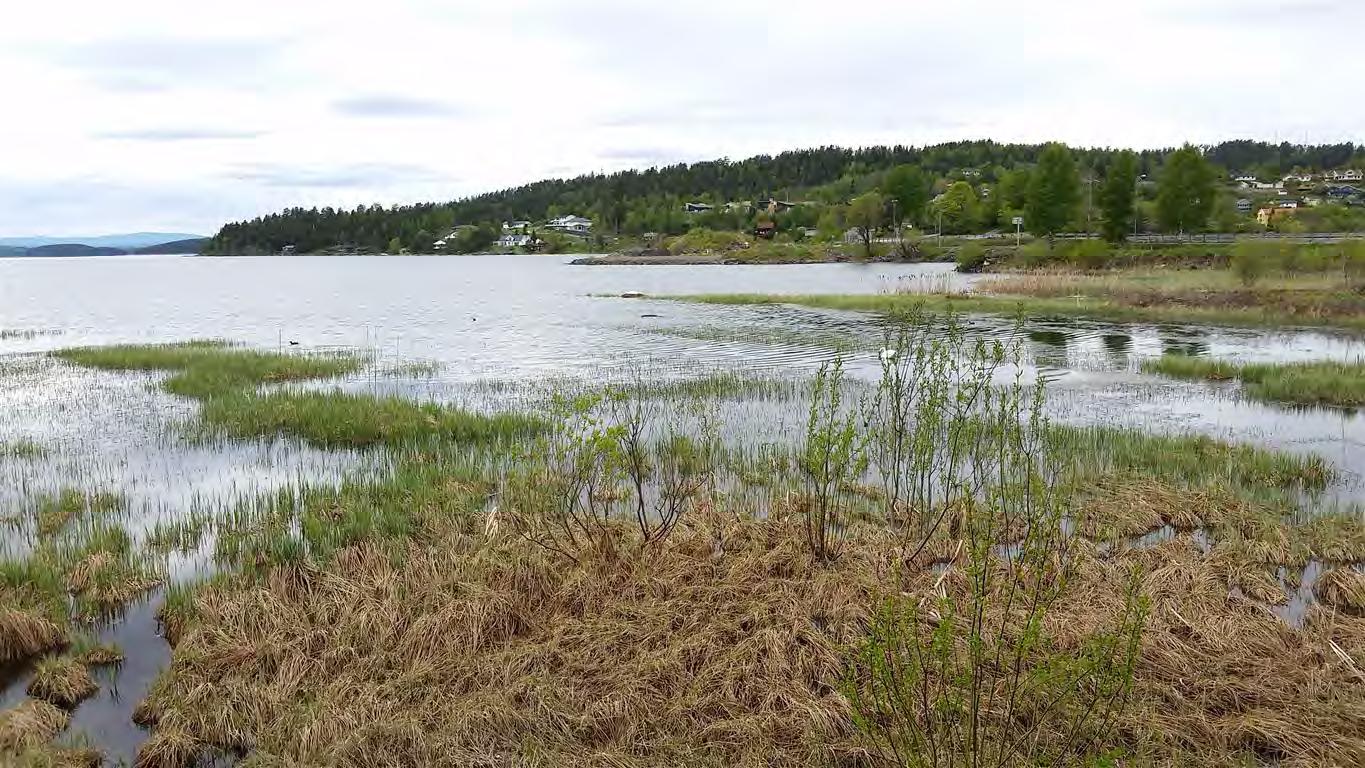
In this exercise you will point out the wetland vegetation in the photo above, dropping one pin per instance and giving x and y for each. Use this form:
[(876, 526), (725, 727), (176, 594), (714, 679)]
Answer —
[(1337, 383), (923, 570)]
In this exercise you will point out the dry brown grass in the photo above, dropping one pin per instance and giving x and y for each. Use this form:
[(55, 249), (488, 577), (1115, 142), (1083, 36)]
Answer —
[(63, 681), (456, 659), (102, 656), (1344, 589), (493, 654), (24, 634), (28, 726), (108, 581)]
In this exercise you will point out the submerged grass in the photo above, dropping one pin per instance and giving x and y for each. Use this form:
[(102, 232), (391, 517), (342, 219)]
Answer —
[(23, 450), (211, 368), (1316, 383)]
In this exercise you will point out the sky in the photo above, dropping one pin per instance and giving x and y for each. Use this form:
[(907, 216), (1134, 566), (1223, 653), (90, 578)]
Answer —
[(179, 116)]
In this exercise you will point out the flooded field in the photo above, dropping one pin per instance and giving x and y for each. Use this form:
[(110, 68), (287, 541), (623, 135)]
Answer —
[(107, 451)]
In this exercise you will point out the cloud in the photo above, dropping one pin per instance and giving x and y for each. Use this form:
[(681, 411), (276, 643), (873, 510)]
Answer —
[(180, 134), (336, 177), (143, 64), (393, 105)]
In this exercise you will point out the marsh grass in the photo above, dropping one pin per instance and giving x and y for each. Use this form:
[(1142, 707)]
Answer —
[(1331, 383), (1196, 460), (30, 726), (1087, 300), (53, 513), (336, 419), (62, 681), (413, 369), (845, 343), (23, 450), (27, 333), (211, 368)]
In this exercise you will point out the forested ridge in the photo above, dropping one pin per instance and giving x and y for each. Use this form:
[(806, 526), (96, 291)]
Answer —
[(637, 201)]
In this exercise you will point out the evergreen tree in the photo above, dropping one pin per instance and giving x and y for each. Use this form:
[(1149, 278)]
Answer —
[(1185, 193), (1054, 192), (1118, 197)]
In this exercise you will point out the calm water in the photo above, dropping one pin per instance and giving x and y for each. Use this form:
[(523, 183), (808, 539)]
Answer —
[(518, 321)]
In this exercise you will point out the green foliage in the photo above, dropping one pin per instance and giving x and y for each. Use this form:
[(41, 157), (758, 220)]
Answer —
[(652, 200), (866, 214), (971, 257), (968, 675), (1054, 192), (909, 188), (1086, 254), (704, 240), (833, 457), (1252, 259), (960, 208), (1118, 197), (1185, 195)]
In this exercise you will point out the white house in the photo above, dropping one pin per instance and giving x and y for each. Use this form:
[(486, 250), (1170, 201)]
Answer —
[(515, 226), (1345, 175), (574, 225), (514, 241), (1268, 185), (1244, 179)]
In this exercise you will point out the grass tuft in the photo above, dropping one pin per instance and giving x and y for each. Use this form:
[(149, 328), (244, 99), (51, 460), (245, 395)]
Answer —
[(338, 419), (208, 369), (24, 634), (62, 681), (30, 725)]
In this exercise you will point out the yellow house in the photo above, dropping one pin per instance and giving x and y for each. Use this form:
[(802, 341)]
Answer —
[(1267, 216)]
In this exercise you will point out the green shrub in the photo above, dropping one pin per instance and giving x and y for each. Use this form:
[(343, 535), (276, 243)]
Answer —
[(971, 257), (1252, 259), (1087, 254)]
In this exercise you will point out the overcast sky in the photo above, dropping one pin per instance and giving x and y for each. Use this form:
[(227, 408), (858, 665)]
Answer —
[(161, 115)]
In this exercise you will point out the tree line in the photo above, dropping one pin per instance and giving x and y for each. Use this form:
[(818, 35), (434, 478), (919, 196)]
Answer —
[(962, 186)]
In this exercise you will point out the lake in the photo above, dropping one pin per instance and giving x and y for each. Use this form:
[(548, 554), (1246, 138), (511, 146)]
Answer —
[(471, 329)]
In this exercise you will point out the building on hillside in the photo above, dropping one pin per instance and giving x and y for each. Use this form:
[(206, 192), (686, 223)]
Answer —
[(1288, 204), (853, 237), (774, 206), (571, 225), (1343, 191), (698, 208), (1268, 216), (516, 226), (1244, 206), (1344, 176), (514, 240), (453, 236), (765, 229), (1268, 185), (1245, 179)]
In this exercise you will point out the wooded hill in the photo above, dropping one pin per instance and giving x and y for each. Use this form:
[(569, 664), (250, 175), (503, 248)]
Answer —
[(639, 201)]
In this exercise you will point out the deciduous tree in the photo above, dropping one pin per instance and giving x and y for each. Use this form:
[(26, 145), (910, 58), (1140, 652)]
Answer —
[(1118, 198), (1185, 191), (1054, 192)]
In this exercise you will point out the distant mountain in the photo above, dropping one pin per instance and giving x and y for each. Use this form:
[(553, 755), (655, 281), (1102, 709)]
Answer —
[(74, 249), (7, 250), (194, 245), (128, 242)]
